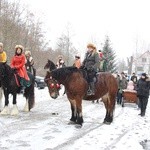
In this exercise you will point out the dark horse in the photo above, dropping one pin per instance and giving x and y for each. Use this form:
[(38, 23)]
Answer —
[(76, 88), (50, 65), (9, 85)]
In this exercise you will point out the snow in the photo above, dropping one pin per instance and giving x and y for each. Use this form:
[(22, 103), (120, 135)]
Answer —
[(46, 126)]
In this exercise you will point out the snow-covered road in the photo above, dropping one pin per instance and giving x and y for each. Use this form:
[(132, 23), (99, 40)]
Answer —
[(46, 127)]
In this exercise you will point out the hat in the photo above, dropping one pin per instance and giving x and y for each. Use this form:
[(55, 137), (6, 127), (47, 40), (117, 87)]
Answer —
[(77, 56), (90, 45), (1, 44), (144, 74), (27, 52), (19, 46)]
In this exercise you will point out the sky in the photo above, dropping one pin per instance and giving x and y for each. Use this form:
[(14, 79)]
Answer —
[(126, 22)]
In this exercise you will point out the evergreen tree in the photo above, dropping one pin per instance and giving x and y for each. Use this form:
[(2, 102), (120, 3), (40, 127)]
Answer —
[(109, 55)]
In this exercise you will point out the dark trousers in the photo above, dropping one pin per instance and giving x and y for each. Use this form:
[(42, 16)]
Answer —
[(119, 97), (90, 76), (143, 102)]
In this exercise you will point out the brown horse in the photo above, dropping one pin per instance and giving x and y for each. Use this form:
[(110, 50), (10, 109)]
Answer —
[(76, 88)]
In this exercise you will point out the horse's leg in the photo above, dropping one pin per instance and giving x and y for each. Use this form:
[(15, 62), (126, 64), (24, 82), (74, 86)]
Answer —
[(73, 110), (6, 110), (79, 111), (109, 102), (14, 110), (1, 96), (26, 107)]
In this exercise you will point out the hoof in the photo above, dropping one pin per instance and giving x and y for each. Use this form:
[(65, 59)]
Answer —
[(78, 126), (26, 107), (5, 111), (71, 122), (106, 122)]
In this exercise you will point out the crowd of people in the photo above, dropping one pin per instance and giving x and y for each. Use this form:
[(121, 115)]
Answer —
[(141, 86), (93, 62)]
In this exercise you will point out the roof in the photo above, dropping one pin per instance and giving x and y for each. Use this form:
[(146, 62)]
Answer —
[(142, 55)]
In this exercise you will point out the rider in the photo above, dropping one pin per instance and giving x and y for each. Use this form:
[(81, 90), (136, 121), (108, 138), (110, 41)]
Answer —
[(18, 64), (91, 64), (77, 61), (3, 56), (30, 63), (60, 63)]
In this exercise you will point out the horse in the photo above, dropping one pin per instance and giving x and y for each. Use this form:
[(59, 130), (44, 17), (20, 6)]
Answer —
[(1, 96), (76, 89), (50, 65), (10, 84)]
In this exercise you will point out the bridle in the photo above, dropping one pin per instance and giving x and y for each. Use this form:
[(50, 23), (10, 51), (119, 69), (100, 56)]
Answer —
[(52, 84)]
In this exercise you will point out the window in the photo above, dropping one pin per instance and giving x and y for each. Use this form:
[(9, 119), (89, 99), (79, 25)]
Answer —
[(139, 68), (143, 59)]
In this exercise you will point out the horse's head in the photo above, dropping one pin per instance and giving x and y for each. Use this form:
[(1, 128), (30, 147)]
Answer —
[(50, 65), (53, 85)]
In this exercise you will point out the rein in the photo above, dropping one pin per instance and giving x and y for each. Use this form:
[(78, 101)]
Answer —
[(18, 84)]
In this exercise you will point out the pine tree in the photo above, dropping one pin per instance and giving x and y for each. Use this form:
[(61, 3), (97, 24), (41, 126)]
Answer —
[(109, 55)]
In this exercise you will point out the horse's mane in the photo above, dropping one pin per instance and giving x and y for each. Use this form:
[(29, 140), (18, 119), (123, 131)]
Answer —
[(63, 73), (8, 69), (52, 65)]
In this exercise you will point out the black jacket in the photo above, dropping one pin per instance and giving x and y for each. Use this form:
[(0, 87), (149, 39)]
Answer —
[(91, 61), (143, 87)]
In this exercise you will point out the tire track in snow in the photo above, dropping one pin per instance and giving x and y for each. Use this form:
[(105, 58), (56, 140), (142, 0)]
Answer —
[(89, 128)]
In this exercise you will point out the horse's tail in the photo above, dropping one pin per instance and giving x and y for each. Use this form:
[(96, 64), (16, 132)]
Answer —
[(29, 93), (1, 96), (31, 100)]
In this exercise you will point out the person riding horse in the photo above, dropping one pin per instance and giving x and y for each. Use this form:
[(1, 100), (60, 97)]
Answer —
[(3, 56), (30, 63), (91, 65), (18, 64)]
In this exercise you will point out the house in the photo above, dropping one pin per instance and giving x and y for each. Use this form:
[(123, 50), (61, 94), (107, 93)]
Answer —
[(142, 63)]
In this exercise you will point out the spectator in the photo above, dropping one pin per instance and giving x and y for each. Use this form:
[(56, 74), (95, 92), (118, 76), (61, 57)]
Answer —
[(143, 87), (134, 78), (122, 84)]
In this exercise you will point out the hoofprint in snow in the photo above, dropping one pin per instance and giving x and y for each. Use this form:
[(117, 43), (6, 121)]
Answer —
[(46, 126)]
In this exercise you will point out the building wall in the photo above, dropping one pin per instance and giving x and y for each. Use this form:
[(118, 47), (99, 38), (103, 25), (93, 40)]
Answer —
[(142, 64)]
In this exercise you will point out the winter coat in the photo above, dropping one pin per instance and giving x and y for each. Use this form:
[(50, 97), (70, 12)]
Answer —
[(134, 79), (29, 64), (60, 64), (18, 62), (143, 87), (91, 61), (122, 83), (130, 85), (3, 57)]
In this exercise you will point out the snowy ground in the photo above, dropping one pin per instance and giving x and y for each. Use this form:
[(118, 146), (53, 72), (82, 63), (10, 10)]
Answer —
[(46, 127)]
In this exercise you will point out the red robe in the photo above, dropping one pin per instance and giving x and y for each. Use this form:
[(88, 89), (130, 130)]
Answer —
[(18, 62)]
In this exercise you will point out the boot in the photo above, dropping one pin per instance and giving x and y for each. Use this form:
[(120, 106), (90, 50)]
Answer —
[(91, 90), (143, 114)]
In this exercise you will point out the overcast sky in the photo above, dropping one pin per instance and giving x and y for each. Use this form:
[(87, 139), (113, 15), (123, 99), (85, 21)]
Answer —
[(124, 21)]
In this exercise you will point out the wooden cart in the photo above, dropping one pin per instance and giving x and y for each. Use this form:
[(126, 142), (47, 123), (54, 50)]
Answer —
[(129, 96)]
